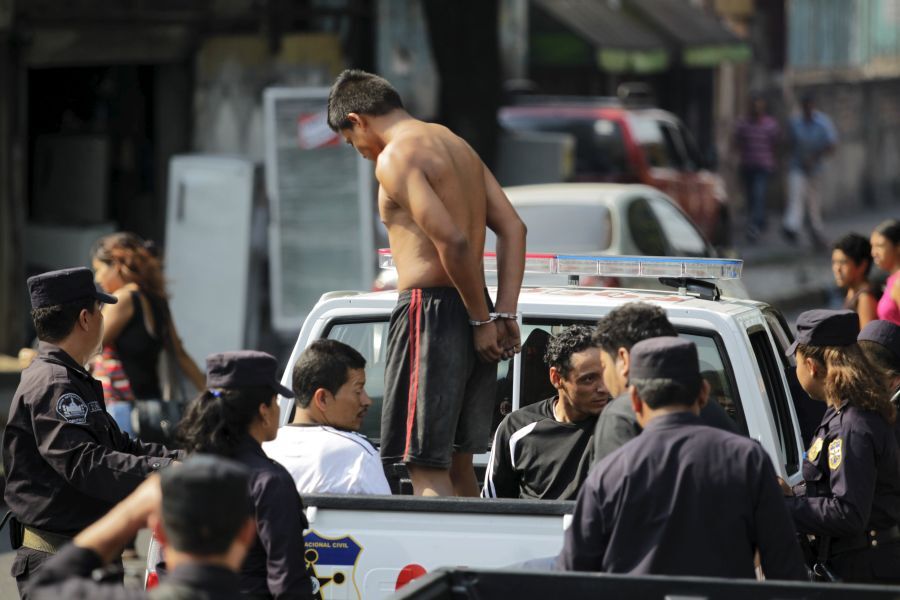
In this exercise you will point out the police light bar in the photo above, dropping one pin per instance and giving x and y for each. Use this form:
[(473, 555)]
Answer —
[(612, 266)]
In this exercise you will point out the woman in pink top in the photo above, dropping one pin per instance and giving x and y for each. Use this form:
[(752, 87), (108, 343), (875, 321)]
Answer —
[(886, 254)]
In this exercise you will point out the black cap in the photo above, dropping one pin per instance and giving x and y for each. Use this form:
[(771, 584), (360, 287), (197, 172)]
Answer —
[(205, 501), (665, 358), (62, 287), (822, 327), (244, 368), (882, 332)]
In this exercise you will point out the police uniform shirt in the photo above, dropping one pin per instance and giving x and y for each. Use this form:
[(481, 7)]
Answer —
[(325, 460), (683, 498), (67, 462), (536, 456), (617, 425), (852, 476), (275, 564), (68, 575)]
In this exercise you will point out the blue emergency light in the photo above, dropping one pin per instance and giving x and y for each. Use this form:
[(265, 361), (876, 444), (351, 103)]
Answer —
[(613, 266)]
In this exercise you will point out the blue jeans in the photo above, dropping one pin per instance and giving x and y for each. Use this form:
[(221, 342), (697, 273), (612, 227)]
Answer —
[(121, 414), (756, 182)]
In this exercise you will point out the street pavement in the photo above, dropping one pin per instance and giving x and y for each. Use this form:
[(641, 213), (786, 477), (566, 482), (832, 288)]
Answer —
[(796, 277)]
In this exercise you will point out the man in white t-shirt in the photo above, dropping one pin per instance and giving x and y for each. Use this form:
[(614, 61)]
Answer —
[(321, 447)]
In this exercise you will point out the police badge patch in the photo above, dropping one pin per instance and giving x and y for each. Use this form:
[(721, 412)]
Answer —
[(72, 408), (835, 454), (813, 453)]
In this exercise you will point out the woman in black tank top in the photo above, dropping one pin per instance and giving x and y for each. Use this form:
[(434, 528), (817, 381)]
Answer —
[(140, 326)]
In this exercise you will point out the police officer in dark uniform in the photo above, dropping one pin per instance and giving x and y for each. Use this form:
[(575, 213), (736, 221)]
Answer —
[(850, 499), (203, 519), (682, 498), (232, 418), (67, 462)]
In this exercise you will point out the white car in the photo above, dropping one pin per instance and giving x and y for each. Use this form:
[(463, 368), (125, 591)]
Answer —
[(601, 219)]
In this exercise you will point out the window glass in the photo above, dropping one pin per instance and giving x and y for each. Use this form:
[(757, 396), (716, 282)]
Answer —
[(770, 368), (690, 145), (675, 144), (682, 236), (645, 229), (599, 144), (559, 227), (654, 141)]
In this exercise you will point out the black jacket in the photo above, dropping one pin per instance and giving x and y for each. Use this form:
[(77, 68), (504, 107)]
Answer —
[(68, 576), (683, 498), (275, 564), (67, 462)]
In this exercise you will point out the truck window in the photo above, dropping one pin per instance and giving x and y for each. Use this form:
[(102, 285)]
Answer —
[(779, 402), (655, 142), (534, 380), (369, 338)]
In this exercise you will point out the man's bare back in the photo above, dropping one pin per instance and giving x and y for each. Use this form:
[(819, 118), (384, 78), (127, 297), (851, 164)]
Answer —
[(456, 174), (436, 198)]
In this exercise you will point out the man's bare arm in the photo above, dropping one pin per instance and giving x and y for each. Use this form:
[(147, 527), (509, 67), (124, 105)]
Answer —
[(408, 185), (504, 221)]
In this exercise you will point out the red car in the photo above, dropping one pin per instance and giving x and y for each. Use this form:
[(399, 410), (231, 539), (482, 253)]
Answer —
[(615, 143)]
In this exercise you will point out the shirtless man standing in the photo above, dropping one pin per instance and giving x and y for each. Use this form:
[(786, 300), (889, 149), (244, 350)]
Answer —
[(435, 197)]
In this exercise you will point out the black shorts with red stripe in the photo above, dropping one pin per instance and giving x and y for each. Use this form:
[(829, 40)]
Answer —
[(438, 397)]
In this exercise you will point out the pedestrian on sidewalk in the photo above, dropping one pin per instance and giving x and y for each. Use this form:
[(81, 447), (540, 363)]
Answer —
[(138, 328), (812, 138), (756, 137), (886, 253), (851, 261)]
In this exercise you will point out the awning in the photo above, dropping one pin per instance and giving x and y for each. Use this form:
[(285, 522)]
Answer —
[(618, 42), (700, 37)]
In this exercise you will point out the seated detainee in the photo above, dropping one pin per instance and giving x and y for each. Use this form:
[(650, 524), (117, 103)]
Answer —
[(543, 450), (321, 448)]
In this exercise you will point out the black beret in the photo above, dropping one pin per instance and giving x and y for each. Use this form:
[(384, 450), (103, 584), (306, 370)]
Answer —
[(244, 368), (61, 287), (822, 327), (205, 500), (665, 358), (882, 332)]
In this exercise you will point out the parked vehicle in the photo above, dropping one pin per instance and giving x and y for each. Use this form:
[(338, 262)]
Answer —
[(601, 219), (365, 547), (620, 144)]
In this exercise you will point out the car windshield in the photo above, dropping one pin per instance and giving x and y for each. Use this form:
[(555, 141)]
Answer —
[(577, 228), (599, 144)]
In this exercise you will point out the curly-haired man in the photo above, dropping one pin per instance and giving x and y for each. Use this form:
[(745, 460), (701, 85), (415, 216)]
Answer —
[(543, 450)]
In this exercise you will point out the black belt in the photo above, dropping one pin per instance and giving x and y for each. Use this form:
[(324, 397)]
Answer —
[(870, 539)]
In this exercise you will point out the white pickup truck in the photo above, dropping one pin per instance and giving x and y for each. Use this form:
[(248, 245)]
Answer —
[(368, 546), (364, 547)]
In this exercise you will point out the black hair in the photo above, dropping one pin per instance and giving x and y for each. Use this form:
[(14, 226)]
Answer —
[(890, 229), (629, 324), (217, 420), (857, 248), (661, 392), (356, 91), (55, 323), (562, 346), (324, 364)]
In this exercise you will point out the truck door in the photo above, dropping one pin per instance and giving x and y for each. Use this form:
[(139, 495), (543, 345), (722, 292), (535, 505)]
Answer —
[(766, 352), (663, 159)]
